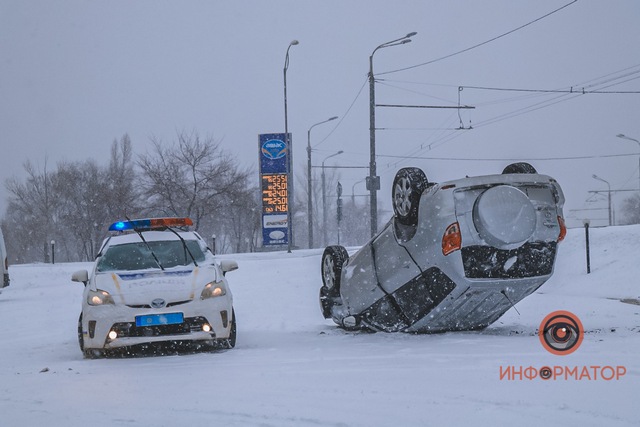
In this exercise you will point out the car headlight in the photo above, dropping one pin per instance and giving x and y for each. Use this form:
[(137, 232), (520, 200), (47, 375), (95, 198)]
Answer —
[(212, 290), (99, 297)]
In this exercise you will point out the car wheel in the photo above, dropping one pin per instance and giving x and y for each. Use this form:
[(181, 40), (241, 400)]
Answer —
[(333, 259), (229, 343), (80, 336), (92, 353), (521, 167), (408, 186)]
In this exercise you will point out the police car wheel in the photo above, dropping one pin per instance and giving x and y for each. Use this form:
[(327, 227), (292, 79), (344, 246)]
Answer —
[(80, 336), (229, 343)]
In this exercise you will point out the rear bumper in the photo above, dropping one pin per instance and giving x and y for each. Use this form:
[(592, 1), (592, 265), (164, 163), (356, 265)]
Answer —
[(533, 259)]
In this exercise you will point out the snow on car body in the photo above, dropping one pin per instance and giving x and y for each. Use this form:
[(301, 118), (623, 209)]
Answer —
[(455, 256), (158, 283)]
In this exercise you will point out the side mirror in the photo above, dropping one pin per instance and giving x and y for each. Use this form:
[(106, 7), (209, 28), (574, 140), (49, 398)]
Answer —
[(228, 265), (81, 276)]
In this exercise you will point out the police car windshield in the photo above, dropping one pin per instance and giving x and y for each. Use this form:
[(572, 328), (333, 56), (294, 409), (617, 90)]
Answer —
[(137, 256)]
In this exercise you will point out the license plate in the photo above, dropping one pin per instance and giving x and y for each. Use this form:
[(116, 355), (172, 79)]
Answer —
[(159, 319)]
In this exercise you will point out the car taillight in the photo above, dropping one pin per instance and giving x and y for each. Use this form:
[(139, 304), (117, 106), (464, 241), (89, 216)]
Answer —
[(563, 229), (452, 239)]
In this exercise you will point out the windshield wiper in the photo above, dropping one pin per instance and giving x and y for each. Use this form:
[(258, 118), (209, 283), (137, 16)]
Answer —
[(184, 245), (139, 233)]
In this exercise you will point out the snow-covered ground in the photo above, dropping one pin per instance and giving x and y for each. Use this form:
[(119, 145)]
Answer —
[(293, 368)]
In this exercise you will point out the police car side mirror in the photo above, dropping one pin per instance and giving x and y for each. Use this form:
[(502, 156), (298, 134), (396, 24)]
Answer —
[(80, 276), (228, 265)]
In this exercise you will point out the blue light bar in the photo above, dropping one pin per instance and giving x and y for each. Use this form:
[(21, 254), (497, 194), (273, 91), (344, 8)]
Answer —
[(150, 224)]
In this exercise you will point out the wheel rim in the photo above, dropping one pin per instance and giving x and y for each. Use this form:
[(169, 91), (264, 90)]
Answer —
[(402, 199), (328, 272)]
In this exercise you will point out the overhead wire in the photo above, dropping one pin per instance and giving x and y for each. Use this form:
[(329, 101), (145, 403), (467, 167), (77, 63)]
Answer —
[(498, 159), (344, 115), (482, 43)]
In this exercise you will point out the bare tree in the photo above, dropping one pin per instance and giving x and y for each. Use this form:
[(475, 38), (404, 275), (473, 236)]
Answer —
[(631, 209), (83, 194), (197, 178), (30, 213), (123, 197)]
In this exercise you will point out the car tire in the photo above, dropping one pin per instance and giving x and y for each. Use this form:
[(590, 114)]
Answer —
[(80, 335), (408, 185), (334, 259), (520, 167), (229, 343), (92, 353)]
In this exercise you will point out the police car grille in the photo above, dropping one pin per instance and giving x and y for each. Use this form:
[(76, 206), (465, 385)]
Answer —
[(171, 304), (190, 324)]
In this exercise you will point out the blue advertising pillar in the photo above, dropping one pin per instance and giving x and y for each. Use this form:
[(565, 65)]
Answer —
[(275, 162)]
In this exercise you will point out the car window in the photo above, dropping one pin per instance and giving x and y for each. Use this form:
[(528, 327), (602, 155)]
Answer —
[(136, 256)]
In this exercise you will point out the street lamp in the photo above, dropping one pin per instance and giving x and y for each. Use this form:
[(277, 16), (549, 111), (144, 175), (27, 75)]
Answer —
[(309, 206), (373, 181), (620, 135), (324, 200), (288, 148), (353, 189), (609, 185)]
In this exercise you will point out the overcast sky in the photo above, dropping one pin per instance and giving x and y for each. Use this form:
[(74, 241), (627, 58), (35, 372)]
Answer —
[(75, 75)]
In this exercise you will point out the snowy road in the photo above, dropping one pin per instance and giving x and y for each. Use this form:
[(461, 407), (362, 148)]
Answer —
[(293, 368)]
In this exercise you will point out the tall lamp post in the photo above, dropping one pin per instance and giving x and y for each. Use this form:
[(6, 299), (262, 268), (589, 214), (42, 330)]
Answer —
[(373, 181), (288, 147), (309, 201), (324, 200), (620, 135), (608, 185)]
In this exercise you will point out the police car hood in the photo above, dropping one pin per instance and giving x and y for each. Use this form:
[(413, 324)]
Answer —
[(140, 289)]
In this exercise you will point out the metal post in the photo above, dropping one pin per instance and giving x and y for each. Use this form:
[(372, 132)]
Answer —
[(339, 208), (609, 198), (373, 181), (324, 211), (586, 236), (324, 201), (288, 148), (309, 186), (213, 244), (53, 252)]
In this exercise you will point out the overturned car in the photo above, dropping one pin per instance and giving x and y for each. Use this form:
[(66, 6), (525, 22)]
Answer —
[(455, 256)]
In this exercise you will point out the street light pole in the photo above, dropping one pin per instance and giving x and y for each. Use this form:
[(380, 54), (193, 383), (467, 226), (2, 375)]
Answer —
[(309, 189), (620, 135), (609, 193), (373, 181), (288, 148), (324, 201)]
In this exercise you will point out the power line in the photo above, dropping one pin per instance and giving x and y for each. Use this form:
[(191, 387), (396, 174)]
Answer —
[(345, 114), (480, 44), (572, 90), (538, 159)]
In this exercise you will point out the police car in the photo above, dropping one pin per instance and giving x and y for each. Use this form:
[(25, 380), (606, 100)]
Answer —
[(455, 255), (154, 281)]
